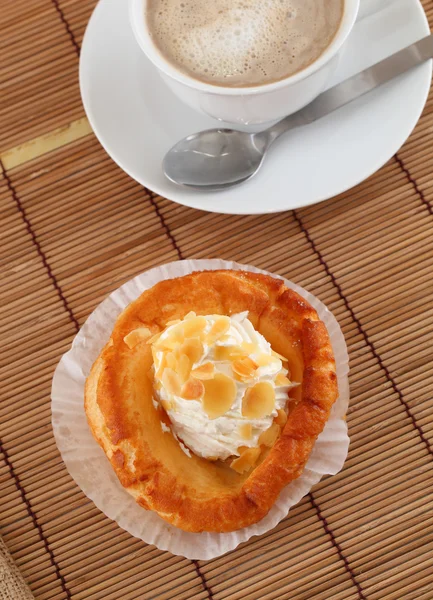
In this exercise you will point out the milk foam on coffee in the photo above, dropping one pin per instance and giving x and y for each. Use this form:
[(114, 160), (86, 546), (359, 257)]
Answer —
[(242, 43)]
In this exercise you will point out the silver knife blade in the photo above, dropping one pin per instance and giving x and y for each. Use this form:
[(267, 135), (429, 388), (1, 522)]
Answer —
[(365, 81)]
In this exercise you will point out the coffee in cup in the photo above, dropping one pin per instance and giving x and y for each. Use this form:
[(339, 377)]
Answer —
[(242, 43)]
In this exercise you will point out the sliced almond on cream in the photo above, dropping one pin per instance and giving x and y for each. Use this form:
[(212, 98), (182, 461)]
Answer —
[(193, 389), (225, 339), (228, 353), (281, 418), (220, 393), (194, 327), (246, 461), (220, 326), (193, 348), (141, 334), (190, 315), (205, 371), (154, 338), (174, 339), (268, 438), (222, 353), (258, 401), (167, 404), (153, 350), (174, 322), (161, 367), (281, 379), (248, 347), (246, 431), (183, 367), (244, 367), (171, 381), (263, 360), (171, 360)]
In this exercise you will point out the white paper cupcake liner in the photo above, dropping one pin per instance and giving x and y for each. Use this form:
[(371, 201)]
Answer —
[(88, 465)]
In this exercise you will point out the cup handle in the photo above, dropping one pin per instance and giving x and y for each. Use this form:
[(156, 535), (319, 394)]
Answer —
[(370, 7)]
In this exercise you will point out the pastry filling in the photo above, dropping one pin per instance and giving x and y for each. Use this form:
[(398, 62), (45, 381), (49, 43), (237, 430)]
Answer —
[(222, 386)]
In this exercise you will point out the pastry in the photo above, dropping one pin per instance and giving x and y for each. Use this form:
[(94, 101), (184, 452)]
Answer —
[(209, 396)]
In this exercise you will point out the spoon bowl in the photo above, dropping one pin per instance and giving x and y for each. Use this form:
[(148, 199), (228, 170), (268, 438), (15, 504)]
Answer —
[(215, 159)]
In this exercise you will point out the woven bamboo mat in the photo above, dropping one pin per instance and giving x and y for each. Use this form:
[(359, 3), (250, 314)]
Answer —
[(74, 227)]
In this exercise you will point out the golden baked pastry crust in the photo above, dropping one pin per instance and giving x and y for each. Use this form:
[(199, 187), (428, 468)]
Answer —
[(190, 492)]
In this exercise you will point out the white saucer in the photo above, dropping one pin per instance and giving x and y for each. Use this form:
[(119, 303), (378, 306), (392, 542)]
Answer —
[(137, 118)]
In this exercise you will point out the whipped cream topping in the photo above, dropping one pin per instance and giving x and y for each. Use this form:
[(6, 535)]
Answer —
[(221, 437)]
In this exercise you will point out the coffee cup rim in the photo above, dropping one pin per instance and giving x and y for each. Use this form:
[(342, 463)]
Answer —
[(138, 23)]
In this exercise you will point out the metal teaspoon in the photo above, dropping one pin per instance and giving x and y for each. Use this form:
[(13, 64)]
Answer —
[(218, 159)]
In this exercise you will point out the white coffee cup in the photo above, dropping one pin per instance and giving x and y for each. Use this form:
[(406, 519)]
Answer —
[(252, 105)]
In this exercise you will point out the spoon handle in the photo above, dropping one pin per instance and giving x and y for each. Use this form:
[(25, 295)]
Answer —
[(357, 86)]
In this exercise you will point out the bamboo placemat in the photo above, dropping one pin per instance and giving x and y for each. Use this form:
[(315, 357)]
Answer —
[(74, 227)]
